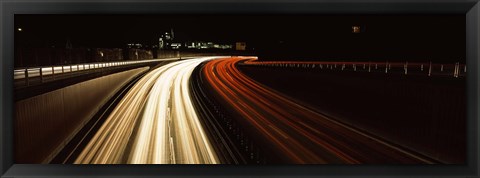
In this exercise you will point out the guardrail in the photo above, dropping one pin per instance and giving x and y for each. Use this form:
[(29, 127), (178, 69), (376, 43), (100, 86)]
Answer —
[(25, 75), (454, 69)]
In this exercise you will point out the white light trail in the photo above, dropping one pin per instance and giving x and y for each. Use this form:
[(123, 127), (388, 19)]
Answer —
[(155, 123)]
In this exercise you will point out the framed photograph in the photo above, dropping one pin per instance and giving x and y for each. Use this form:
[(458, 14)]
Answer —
[(239, 89)]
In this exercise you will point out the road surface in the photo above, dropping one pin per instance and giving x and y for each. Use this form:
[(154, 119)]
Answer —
[(155, 123), (298, 134)]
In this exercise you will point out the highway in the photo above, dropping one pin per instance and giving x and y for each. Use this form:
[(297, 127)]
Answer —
[(164, 120), (294, 132), (155, 123)]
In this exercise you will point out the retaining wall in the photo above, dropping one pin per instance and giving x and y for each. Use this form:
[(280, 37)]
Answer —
[(44, 124)]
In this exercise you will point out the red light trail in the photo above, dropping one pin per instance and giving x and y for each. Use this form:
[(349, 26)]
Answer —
[(301, 134)]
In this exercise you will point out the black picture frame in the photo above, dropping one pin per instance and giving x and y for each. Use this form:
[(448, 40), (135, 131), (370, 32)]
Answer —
[(471, 9)]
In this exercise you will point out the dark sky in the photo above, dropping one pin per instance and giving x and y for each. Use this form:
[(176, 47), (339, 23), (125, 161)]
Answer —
[(115, 30), (396, 35)]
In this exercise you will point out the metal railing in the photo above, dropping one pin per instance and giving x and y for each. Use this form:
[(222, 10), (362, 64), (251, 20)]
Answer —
[(437, 69), (40, 73)]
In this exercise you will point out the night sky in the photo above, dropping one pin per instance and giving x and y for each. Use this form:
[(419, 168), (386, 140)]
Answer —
[(417, 37)]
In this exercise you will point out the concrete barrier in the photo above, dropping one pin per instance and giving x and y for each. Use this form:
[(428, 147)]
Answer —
[(44, 124)]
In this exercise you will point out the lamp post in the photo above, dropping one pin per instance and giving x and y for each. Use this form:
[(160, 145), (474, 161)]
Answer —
[(20, 44)]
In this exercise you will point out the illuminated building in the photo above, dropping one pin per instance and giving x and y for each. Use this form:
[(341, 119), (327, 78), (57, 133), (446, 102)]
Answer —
[(165, 41), (240, 46)]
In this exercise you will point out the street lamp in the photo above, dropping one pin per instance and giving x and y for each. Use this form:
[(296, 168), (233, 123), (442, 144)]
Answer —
[(19, 43), (355, 29)]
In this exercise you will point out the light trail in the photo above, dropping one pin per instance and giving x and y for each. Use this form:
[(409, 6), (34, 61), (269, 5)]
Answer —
[(155, 123), (297, 133)]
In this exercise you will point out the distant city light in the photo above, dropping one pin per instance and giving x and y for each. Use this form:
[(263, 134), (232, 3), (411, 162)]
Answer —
[(240, 46), (135, 45), (355, 29), (19, 29), (205, 45), (176, 45), (166, 41)]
